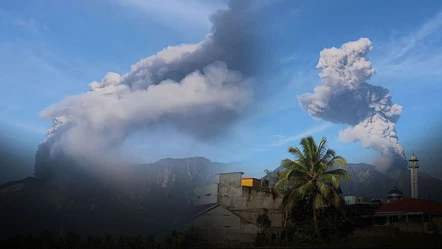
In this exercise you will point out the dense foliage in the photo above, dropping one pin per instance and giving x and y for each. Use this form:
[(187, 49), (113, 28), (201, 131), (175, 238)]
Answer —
[(176, 240), (332, 224), (312, 197)]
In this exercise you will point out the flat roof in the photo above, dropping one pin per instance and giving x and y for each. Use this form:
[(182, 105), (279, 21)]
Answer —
[(365, 203), (230, 173)]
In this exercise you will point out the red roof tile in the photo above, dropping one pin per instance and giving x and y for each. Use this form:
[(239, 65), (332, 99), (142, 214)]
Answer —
[(412, 205)]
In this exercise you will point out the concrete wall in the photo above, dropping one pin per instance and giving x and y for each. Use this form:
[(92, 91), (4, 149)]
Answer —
[(411, 227), (246, 202), (219, 224), (233, 179), (248, 231), (255, 198), (251, 215), (229, 188), (232, 195), (206, 194)]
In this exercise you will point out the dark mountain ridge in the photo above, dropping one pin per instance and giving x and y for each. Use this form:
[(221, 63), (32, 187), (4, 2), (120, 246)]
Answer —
[(367, 181), (152, 198), (138, 199)]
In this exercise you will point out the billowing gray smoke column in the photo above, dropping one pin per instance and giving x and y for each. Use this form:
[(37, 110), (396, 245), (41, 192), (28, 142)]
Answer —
[(199, 89), (345, 97)]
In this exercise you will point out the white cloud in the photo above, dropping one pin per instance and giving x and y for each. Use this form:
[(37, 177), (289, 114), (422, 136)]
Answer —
[(288, 59), (285, 140), (412, 40), (30, 24), (413, 54)]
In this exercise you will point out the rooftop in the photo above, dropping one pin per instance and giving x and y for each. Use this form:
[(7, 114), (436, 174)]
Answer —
[(395, 193), (412, 206), (230, 173), (204, 208)]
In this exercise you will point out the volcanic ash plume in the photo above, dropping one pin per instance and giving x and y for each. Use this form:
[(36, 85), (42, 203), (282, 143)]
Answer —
[(199, 89), (345, 97)]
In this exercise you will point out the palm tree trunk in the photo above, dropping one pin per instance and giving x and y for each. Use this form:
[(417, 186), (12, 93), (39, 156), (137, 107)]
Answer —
[(315, 220), (285, 226)]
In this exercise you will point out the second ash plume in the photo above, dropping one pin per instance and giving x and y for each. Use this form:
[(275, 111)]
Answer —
[(345, 97)]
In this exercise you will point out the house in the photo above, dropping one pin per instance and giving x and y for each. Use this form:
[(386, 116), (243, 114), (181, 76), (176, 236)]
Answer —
[(408, 214), (363, 208), (410, 210), (228, 210)]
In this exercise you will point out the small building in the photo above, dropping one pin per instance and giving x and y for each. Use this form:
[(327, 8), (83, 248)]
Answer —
[(251, 182), (363, 208), (351, 200), (219, 223), (227, 210)]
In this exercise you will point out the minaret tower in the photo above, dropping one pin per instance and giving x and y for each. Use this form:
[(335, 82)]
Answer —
[(413, 165)]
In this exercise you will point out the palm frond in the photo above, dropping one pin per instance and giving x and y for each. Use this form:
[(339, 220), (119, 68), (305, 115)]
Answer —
[(332, 180), (314, 175), (323, 189), (339, 173), (309, 149), (291, 164), (322, 147), (336, 161), (336, 199), (296, 152), (319, 202)]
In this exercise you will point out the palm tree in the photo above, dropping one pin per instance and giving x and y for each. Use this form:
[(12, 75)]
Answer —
[(314, 176)]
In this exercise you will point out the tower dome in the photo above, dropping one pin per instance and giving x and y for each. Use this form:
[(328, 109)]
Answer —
[(395, 194)]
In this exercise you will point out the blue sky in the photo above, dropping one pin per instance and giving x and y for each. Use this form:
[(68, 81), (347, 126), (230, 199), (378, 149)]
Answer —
[(53, 49)]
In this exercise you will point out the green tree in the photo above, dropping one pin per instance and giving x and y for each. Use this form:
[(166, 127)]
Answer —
[(263, 221), (314, 176)]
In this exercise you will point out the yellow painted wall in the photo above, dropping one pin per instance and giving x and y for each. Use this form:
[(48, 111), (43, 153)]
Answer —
[(247, 182)]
